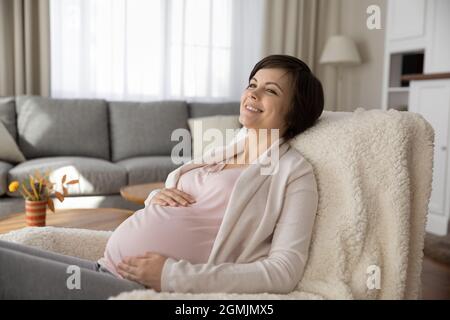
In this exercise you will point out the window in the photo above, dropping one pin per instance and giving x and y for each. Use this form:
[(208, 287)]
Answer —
[(153, 49)]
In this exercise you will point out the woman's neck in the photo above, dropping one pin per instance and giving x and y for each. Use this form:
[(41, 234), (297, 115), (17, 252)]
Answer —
[(256, 143)]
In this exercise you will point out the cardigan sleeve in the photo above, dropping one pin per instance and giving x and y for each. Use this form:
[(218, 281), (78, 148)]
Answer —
[(279, 272)]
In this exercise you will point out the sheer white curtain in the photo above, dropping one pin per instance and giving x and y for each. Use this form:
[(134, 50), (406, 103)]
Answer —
[(154, 49)]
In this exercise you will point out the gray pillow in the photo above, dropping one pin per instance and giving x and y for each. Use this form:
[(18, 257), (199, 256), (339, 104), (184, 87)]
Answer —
[(4, 169), (144, 129), (8, 115), (9, 151), (62, 127)]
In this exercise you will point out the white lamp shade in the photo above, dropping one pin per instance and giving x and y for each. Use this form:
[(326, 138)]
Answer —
[(340, 50)]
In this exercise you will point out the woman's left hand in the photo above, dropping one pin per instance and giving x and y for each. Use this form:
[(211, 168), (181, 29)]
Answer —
[(145, 269)]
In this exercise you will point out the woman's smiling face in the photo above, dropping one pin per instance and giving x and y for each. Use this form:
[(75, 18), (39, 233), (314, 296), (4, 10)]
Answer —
[(266, 100)]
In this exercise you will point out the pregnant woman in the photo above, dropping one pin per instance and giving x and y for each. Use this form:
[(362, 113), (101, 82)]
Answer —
[(222, 225)]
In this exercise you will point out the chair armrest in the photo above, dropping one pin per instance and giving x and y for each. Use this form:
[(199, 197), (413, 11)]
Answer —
[(80, 243)]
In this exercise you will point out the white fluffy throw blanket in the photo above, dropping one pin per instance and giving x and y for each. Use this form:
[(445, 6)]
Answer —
[(374, 171)]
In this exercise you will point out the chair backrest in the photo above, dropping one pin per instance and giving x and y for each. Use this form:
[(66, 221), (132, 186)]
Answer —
[(374, 172)]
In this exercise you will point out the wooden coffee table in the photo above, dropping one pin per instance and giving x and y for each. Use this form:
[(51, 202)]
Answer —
[(139, 192), (94, 219)]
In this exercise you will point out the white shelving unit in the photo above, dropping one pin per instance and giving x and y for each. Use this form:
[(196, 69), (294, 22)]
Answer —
[(423, 27), (397, 96), (414, 27), (431, 99), (398, 89)]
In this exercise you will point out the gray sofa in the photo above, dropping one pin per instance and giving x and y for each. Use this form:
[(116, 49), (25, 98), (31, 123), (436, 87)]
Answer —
[(106, 145)]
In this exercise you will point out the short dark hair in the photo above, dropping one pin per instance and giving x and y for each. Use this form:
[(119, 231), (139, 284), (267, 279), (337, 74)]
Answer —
[(308, 99)]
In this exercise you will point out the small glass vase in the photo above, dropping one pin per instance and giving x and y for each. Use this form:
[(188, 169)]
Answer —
[(35, 213)]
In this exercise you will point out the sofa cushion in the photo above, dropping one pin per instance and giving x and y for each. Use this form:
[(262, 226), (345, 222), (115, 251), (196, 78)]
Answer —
[(203, 109), (144, 129), (8, 115), (4, 169), (62, 127), (97, 176), (148, 169)]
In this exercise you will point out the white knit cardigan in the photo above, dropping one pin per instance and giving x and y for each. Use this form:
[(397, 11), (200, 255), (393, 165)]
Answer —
[(263, 242)]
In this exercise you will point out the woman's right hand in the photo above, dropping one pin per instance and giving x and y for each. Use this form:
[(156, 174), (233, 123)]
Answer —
[(172, 197)]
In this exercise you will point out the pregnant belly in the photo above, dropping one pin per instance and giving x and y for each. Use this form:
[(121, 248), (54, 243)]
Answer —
[(176, 232)]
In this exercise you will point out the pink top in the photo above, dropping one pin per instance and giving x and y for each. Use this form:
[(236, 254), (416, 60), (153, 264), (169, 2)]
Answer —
[(186, 233)]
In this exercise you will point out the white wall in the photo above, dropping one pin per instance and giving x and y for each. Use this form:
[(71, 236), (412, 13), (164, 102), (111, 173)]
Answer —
[(362, 85)]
